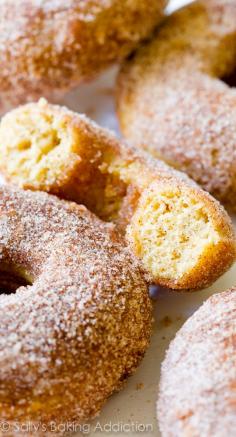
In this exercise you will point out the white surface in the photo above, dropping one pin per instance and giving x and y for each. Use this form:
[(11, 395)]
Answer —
[(135, 404)]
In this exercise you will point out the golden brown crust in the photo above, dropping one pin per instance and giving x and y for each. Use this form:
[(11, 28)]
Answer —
[(71, 337), (214, 257), (49, 46), (171, 100), (198, 380), (182, 236)]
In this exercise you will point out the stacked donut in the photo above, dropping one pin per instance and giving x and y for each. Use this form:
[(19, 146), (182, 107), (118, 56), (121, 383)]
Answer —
[(72, 332), (197, 390), (49, 46), (174, 100), (182, 236), (89, 221)]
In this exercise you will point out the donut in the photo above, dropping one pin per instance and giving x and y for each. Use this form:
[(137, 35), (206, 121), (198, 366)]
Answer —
[(81, 319), (181, 235), (48, 47), (198, 378), (175, 96)]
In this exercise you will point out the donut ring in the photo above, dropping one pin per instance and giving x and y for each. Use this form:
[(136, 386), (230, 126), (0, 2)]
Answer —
[(171, 99), (47, 47), (198, 379), (81, 326), (182, 236)]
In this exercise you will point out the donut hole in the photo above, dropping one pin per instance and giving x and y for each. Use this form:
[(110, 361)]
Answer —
[(230, 79), (170, 231), (11, 281)]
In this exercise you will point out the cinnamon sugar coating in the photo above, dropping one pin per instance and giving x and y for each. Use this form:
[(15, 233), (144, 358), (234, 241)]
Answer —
[(50, 46), (79, 329), (182, 236), (198, 379), (172, 102)]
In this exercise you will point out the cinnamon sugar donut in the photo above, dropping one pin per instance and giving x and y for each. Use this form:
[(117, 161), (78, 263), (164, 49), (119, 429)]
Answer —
[(182, 236), (80, 324), (173, 102), (47, 47), (198, 380)]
